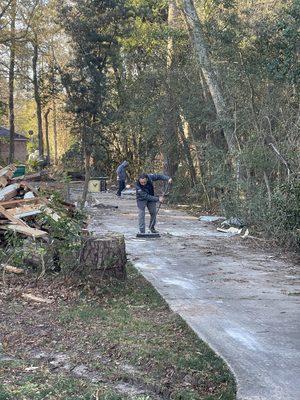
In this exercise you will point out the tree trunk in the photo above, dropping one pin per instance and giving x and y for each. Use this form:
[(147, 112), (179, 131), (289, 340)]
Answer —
[(55, 132), (188, 156), (170, 143), (267, 182), (104, 256), (87, 165), (210, 74), (11, 83), (37, 98), (188, 132), (47, 134)]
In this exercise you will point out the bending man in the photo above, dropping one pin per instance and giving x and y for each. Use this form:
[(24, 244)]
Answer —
[(145, 197)]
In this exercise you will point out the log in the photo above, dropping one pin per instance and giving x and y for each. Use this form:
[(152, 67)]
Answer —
[(105, 255)]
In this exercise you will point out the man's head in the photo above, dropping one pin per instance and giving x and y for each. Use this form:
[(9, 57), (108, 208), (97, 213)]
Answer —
[(143, 179)]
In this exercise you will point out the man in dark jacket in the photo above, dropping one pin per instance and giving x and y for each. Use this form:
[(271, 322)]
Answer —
[(145, 197), (121, 177)]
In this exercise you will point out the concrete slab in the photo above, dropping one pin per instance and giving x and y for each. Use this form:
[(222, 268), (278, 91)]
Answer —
[(244, 302)]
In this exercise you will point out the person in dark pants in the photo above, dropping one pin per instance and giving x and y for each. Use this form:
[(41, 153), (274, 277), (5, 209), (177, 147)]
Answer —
[(145, 197), (121, 177)]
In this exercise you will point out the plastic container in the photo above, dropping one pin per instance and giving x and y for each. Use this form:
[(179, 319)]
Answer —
[(20, 171)]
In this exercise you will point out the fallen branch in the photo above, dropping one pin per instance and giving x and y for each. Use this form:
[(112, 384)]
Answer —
[(29, 296), (12, 269)]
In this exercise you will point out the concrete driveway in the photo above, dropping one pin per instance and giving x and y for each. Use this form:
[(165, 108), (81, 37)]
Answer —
[(241, 300)]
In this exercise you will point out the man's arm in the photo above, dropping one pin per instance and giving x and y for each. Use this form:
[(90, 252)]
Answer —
[(159, 177), (144, 196)]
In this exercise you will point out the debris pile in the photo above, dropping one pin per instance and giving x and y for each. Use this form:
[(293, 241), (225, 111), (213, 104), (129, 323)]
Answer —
[(20, 203)]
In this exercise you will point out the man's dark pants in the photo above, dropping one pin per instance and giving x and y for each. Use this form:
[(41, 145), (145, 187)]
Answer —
[(151, 205), (121, 187)]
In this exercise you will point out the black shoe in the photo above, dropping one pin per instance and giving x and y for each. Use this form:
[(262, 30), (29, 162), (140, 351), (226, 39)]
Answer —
[(153, 230)]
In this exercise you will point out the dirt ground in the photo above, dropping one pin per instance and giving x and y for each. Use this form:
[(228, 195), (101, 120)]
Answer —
[(101, 340)]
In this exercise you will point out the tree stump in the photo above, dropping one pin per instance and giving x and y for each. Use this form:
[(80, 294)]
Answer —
[(104, 256)]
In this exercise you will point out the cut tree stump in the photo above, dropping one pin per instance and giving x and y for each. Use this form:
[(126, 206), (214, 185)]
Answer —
[(105, 256)]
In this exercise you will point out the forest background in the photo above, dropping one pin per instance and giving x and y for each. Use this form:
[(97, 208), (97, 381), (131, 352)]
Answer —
[(206, 91)]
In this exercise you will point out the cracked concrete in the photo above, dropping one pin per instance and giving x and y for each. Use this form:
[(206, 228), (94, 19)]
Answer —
[(242, 301)]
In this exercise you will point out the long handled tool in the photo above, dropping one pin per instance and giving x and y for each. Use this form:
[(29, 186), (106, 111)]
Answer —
[(150, 234)]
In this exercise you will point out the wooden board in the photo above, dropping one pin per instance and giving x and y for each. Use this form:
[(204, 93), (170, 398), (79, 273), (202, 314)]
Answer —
[(32, 177), (3, 181), (25, 230), (28, 213), (24, 208), (21, 202), (7, 214), (8, 171), (9, 192)]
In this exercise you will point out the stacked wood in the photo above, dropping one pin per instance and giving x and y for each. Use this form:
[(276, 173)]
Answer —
[(19, 202)]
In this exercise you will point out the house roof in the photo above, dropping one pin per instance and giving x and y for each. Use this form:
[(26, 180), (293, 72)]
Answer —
[(4, 133)]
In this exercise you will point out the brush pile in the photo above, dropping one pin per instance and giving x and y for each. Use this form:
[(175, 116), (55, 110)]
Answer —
[(20, 203)]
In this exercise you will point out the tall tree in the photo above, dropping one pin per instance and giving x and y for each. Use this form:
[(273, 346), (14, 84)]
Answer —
[(210, 73), (170, 140), (93, 27), (11, 80), (37, 95)]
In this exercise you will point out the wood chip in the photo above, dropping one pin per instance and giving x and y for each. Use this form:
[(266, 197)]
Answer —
[(29, 296)]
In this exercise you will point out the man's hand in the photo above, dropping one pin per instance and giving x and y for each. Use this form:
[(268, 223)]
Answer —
[(170, 180), (161, 199)]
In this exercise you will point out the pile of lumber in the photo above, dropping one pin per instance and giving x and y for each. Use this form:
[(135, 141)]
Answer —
[(20, 203)]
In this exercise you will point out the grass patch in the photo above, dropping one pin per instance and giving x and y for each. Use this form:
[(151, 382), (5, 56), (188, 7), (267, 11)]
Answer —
[(121, 333)]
